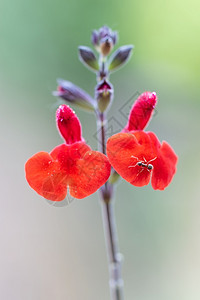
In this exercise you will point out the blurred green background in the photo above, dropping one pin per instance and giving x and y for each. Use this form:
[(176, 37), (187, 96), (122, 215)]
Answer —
[(59, 253)]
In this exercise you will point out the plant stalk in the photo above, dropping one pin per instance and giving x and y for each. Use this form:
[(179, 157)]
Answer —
[(109, 224)]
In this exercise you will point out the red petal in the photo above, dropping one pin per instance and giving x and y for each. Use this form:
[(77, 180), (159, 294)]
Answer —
[(46, 177), (164, 167), (91, 172), (141, 111), (124, 150), (88, 170), (67, 155), (76, 166), (68, 124)]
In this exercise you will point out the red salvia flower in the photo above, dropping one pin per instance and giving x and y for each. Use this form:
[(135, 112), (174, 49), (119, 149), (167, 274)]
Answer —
[(71, 165), (139, 156)]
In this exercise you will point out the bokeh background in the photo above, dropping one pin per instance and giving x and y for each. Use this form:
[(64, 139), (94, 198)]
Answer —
[(53, 253)]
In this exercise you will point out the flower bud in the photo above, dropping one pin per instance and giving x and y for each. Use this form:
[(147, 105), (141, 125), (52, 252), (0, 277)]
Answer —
[(141, 111), (106, 46), (104, 39), (88, 58), (105, 31), (68, 124), (120, 57), (95, 38), (104, 95), (75, 95)]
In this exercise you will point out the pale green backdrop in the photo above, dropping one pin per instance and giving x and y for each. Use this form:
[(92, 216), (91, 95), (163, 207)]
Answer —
[(50, 253)]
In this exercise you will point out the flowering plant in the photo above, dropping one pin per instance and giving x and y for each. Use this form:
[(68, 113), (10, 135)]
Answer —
[(134, 154)]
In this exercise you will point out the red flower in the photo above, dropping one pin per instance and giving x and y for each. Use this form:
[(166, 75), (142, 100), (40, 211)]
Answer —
[(139, 156), (72, 165)]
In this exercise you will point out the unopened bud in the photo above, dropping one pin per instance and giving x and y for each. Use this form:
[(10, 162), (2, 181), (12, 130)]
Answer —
[(106, 32), (95, 38), (74, 95), (104, 95), (106, 46), (104, 39)]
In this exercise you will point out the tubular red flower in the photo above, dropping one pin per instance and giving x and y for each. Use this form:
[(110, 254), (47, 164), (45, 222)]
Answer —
[(73, 165), (138, 156), (141, 111)]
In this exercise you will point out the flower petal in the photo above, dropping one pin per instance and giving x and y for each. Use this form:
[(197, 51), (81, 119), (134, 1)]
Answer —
[(91, 172), (87, 170), (141, 112), (46, 177), (125, 150), (164, 167), (138, 154), (68, 124), (75, 166)]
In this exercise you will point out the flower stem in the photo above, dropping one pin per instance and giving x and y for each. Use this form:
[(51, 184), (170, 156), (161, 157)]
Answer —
[(114, 257), (108, 217)]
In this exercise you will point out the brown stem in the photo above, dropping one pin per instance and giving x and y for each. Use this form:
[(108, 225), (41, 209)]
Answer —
[(110, 230), (114, 257)]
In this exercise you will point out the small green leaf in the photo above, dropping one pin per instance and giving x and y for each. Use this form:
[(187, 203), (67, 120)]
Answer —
[(87, 56), (120, 57)]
